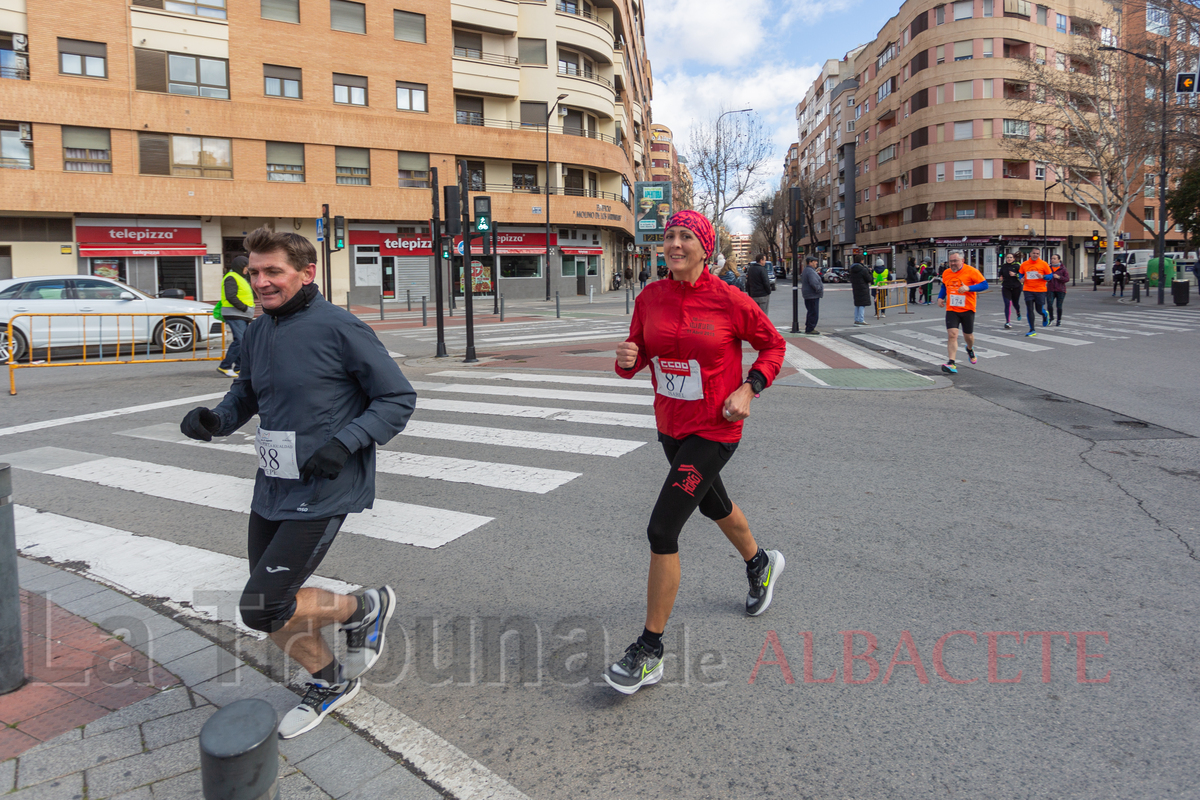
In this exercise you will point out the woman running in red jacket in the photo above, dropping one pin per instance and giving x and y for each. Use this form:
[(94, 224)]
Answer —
[(689, 330)]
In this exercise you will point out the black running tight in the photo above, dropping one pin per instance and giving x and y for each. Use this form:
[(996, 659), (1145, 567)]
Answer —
[(693, 482)]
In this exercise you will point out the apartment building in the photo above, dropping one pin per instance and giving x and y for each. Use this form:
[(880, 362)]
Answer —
[(921, 164), (145, 139), (741, 248)]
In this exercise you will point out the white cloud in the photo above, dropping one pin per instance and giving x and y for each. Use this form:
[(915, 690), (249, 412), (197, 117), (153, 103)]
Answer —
[(713, 32)]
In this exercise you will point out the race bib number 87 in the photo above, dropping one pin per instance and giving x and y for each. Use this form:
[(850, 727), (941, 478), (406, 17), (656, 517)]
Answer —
[(276, 452), (678, 379)]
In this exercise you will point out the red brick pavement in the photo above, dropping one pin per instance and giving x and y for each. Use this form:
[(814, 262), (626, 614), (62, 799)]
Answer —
[(75, 673)]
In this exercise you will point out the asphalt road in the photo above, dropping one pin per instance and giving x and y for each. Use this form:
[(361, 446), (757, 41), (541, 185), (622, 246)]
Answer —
[(1027, 588)]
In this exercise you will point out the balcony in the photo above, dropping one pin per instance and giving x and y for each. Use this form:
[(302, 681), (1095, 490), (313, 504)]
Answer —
[(495, 16), (587, 74), (584, 30), (477, 119), (573, 9), (477, 72), (487, 58)]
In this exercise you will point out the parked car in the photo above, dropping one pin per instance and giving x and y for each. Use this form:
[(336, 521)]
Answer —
[(183, 321), (834, 275), (781, 270), (770, 273)]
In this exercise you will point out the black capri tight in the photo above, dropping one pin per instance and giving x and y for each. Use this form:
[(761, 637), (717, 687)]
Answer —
[(283, 554), (694, 481)]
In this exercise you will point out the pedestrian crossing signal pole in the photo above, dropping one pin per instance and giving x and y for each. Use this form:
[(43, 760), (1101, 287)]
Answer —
[(325, 251), (468, 281), (795, 216), (435, 236)]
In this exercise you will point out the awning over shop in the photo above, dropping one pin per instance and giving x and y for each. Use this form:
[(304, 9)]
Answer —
[(879, 250), (108, 251), (583, 251)]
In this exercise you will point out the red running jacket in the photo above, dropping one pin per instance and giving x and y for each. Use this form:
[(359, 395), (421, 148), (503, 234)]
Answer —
[(678, 327)]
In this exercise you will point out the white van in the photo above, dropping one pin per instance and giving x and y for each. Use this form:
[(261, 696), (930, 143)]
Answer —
[(1135, 262)]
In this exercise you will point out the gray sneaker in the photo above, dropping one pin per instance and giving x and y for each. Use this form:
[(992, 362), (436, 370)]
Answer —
[(320, 699), (639, 667), (364, 640), (762, 583)]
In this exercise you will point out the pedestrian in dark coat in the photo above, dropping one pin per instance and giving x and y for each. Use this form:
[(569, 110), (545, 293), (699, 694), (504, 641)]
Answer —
[(860, 282), (912, 276)]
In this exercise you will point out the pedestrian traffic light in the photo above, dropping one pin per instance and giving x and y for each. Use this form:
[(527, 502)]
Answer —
[(483, 214), (452, 212), (1185, 83), (339, 233), (446, 248)]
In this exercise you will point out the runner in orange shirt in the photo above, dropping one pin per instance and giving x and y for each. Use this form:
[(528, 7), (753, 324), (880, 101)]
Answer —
[(1033, 275), (957, 296)]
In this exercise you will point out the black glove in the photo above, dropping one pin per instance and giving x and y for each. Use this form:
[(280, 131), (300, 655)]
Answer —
[(327, 462), (200, 423)]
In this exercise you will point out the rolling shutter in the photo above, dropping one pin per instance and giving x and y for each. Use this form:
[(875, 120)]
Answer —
[(151, 67), (154, 150)]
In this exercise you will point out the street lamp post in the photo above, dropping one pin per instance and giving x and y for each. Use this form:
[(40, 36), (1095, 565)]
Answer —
[(717, 171), (1045, 237), (1160, 244), (549, 113)]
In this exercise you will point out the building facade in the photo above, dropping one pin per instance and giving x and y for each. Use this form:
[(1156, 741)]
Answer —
[(920, 164), (145, 139)]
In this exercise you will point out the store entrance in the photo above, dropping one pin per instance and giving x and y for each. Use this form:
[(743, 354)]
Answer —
[(177, 273), (389, 277)]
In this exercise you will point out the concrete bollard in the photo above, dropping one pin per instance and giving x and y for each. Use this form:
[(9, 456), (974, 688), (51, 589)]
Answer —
[(591, 294), (424, 313), (502, 308), (626, 301), (557, 307), (348, 301), (12, 657), (409, 293), (239, 752), (381, 307)]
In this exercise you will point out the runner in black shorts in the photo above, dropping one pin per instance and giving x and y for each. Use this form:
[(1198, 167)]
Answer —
[(960, 284), (964, 320)]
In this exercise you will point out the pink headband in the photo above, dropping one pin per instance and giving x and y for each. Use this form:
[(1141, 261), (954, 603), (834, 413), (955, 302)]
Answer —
[(697, 224)]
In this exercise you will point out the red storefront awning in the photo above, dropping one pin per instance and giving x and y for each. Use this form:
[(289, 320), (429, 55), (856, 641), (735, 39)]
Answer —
[(108, 250), (583, 251)]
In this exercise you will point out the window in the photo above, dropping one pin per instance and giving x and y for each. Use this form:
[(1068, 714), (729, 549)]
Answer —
[(16, 145), (964, 9), (1061, 27), (920, 138), (1106, 37), (534, 114), (941, 54), (939, 15), (941, 94), (468, 110), (185, 156), (524, 177), (987, 129), (850, 102), (347, 16), (987, 8), (531, 51), (468, 44), (1072, 216), (1039, 54), (1042, 15), (941, 172), (887, 154), (987, 48), (353, 166), (476, 176), (89, 59), (866, 194), (414, 170), (964, 51), (349, 89), (176, 73), (1158, 20), (411, 96), (964, 170), (281, 81), (408, 27), (214, 9), (520, 266), (1039, 172), (965, 210), (281, 10), (1016, 8), (285, 162), (1016, 127), (963, 90), (988, 89), (86, 149), (850, 126), (964, 130), (988, 169)]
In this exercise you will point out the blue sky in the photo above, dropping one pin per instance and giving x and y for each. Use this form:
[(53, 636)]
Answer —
[(761, 54)]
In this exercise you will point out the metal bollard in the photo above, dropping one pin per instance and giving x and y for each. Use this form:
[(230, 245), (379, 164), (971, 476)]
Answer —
[(591, 293), (409, 293), (424, 313), (12, 657), (348, 301), (626, 302), (502, 308), (1137, 296), (557, 307), (381, 306), (239, 752)]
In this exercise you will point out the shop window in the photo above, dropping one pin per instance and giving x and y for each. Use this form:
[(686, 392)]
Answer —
[(520, 266), (414, 170), (86, 149), (16, 145), (408, 27), (525, 178), (411, 96), (349, 89), (353, 166), (280, 10), (347, 16), (176, 73), (285, 162), (89, 59), (282, 82), (531, 51)]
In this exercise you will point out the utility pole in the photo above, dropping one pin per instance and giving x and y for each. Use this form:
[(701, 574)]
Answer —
[(468, 279), (435, 235)]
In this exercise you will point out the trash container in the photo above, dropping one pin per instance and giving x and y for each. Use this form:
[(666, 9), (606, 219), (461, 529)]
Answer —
[(1181, 290)]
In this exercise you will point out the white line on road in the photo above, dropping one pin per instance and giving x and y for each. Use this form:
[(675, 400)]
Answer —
[(1127, 318), (924, 337), (536, 480), (115, 412), (1059, 339), (557, 442), (544, 378), (1016, 344), (144, 565), (537, 393), (899, 347), (802, 362), (1108, 327), (855, 354), (585, 416)]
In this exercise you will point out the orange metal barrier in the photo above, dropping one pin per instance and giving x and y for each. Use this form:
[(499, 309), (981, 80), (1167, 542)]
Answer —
[(119, 332)]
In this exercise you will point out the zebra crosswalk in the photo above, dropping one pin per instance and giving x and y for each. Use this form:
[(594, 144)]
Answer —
[(536, 333), (504, 457), (925, 340)]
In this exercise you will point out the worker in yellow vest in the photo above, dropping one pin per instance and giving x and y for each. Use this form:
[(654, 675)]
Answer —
[(880, 278), (237, 310)]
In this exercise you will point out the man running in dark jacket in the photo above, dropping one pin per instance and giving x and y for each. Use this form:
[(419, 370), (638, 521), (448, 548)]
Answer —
[(326, 392)]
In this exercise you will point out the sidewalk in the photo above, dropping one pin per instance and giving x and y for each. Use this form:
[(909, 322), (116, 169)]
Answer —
[(116, 695)]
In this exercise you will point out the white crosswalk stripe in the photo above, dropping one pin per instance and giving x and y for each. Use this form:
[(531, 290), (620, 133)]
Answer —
[(537, 393), (941, 341), (1029, 347), (574, 380), (586, 416), (557, 442), (917, 353)]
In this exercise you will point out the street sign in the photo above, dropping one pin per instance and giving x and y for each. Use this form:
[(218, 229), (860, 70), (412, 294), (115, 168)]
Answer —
[(652, 207), (1185, 83), (320, 229)]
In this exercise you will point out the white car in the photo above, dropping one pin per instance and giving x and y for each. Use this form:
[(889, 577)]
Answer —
[(182, 322)]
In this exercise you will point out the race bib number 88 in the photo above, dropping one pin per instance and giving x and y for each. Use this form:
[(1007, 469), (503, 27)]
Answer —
[(277, 453), (678, 379)]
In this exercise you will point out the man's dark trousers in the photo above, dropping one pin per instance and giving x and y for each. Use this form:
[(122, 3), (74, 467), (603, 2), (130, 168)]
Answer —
[(812, 306)]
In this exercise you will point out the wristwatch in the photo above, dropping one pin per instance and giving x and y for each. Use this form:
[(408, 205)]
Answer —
[(757, 384)]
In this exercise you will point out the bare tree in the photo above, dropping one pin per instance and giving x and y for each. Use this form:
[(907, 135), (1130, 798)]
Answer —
[(682, 192), (812, 195), (1087, 120), (727, 155), (768, 233)]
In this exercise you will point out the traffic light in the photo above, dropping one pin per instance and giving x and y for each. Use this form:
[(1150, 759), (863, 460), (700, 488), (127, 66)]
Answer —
[(483, 214), (339, 233), (1095, 237), (453, 215), (1185, 83), (765, 210), (446, 247)]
